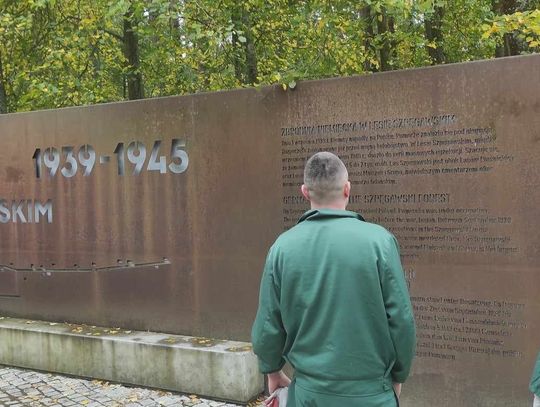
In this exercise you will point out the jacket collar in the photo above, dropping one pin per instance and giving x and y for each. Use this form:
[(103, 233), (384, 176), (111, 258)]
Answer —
[(315, 214)]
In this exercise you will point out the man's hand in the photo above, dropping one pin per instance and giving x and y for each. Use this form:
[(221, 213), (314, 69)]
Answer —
[(397, 388), (277, 380)]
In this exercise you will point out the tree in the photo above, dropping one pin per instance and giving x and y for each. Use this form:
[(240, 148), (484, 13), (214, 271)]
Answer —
[(130, 47), (509, 45), (245, 54), (385, 28), (3, 96), (433, 23), (515, 26), (56, 53)]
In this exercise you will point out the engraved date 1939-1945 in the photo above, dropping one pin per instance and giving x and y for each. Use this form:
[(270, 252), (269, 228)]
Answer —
[(86, 157)]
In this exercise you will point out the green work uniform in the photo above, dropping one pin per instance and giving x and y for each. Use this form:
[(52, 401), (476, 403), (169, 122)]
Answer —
[(334, 303), (535, 379)]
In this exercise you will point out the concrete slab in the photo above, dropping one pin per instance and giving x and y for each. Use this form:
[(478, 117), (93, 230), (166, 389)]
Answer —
[(218, 369)]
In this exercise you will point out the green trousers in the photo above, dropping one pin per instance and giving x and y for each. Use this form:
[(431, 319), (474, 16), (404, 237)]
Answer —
[(300, 396)]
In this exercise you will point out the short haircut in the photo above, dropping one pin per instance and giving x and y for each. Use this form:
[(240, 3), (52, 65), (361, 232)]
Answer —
[(325, 176)]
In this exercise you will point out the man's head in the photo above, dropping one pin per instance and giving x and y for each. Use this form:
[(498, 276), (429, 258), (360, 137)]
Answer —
[(326, 182)]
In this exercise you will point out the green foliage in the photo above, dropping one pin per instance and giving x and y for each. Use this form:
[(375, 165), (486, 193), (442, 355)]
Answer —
[(524, 25), (56, 53)]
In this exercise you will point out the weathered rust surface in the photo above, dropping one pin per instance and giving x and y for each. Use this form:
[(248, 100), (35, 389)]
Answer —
[(445, 157), (8, 282), (199, 230)]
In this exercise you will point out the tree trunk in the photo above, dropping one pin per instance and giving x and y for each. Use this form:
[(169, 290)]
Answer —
[(245, 62), (251, 60), (3, 96), (174, 21), (238, 65), (433, 27), (510, 45), (368, 38), (131, 53), (384, 52), (386, 47), (393, 41)]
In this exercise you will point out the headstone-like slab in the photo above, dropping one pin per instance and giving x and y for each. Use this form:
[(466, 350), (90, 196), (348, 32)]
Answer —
[(444, 157)]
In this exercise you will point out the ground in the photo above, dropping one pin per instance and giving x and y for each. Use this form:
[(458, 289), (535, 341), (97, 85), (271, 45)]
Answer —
[(19, 387)]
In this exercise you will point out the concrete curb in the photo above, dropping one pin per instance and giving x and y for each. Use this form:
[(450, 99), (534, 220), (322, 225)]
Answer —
[(218, 369)]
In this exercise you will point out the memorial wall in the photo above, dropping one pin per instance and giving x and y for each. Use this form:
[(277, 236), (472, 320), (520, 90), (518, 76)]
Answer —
[(158, 214)]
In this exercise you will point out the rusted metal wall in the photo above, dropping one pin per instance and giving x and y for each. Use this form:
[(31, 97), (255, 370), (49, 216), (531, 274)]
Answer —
[(161, 250), (445, 157)]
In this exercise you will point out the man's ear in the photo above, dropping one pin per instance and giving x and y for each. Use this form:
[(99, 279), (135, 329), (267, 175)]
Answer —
[(305, 192), (347, 190)]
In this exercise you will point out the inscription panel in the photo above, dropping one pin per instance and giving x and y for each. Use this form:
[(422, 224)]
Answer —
[(449, 167)]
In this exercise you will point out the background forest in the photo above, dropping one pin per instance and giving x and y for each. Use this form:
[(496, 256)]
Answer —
[(56, 53)]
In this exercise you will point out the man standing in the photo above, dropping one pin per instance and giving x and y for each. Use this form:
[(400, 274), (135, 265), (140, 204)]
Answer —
[(535, 382), (334, 303)]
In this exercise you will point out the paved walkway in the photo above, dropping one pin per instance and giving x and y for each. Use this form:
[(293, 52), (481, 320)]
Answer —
[(20, 388)]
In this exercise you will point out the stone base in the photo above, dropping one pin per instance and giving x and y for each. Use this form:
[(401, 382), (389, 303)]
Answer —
[(214, 368)]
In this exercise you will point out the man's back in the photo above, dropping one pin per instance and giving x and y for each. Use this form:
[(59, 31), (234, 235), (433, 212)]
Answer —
[(334, 302), (337, 279)]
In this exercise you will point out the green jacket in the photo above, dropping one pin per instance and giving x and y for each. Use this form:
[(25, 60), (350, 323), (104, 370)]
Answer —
[(334, 303), (535, 379)]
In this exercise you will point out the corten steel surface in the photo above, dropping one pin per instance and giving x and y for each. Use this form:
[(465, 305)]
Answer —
[(169, 252), (445, 157)]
